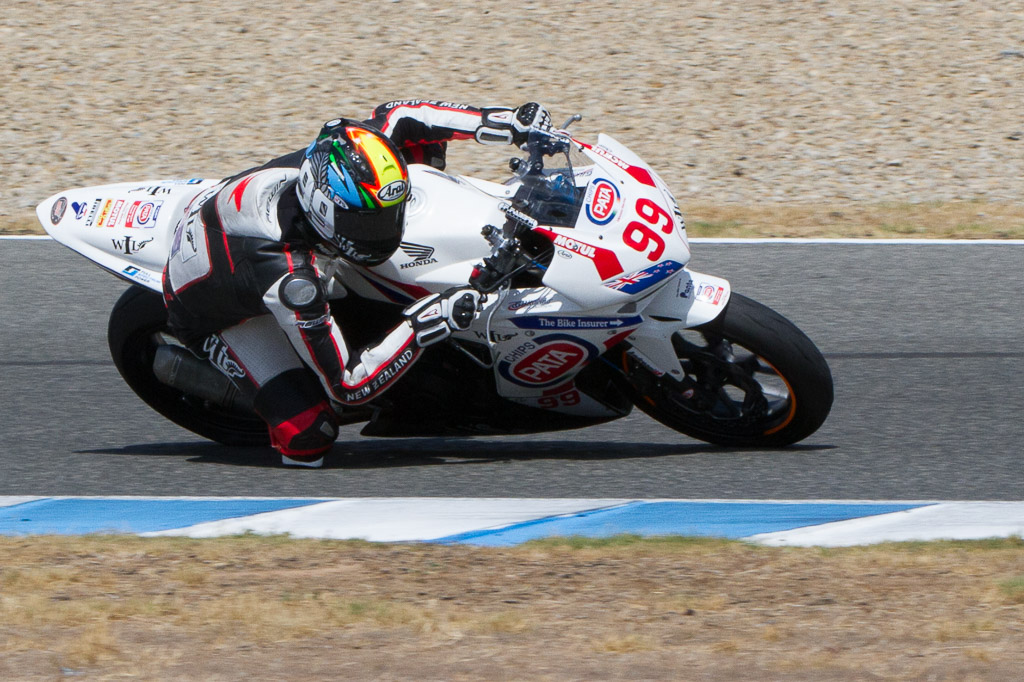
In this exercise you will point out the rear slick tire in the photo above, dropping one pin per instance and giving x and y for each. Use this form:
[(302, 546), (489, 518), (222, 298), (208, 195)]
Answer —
[(752, 380), (137, 326)]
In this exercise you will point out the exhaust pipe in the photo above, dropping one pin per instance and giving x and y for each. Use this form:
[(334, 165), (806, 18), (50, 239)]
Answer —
[(178, 368)]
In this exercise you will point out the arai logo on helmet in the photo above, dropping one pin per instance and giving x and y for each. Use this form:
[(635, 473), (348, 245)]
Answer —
[(603, 201), (392, 191)]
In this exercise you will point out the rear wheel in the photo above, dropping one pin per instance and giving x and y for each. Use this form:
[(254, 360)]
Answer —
[(137, 327), (751, 379)]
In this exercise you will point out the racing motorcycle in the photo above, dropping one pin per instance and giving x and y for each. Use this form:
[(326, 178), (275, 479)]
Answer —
[(589, 308)]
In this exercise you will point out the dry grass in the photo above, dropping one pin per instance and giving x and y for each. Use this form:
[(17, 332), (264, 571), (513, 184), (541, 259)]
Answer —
[(273, 608)]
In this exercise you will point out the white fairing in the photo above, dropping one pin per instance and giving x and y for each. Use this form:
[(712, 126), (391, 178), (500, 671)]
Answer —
[(442, 241), (617, 274), (126, 228)]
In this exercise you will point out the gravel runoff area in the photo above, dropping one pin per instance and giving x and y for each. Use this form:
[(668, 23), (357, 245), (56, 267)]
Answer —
[(745, 103)]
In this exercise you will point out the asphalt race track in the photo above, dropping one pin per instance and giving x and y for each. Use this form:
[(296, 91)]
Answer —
[(925, 344)]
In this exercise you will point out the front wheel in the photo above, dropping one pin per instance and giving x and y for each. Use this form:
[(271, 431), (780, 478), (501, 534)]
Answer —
[(138, 326), (751, 379)]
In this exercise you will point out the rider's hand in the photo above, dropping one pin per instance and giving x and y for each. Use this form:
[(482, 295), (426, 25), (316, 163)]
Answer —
[(434, 317), (528, 117), (512, 126)]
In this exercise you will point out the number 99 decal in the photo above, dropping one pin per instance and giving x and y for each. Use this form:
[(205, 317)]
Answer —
[(642, 237)]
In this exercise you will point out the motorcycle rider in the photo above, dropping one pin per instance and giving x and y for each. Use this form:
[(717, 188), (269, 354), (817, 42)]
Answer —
[(244, 288)]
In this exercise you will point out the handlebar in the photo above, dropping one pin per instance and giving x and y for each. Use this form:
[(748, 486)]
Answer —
[(506, 257)]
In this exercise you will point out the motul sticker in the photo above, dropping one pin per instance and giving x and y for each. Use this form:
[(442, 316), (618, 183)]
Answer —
[(602, 201), (550, 361), (605, 260), (114, 213)]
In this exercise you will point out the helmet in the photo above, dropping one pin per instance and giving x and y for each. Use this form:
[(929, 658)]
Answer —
[(352, 186)]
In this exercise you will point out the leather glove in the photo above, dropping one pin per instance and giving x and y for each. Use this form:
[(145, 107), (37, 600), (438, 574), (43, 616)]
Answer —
[(435, 317), (504, 126), (529, 116)]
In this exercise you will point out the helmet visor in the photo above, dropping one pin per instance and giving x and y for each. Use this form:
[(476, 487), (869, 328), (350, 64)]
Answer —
[(370, 237)]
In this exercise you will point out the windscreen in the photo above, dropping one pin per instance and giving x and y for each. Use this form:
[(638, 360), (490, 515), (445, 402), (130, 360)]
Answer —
[(554, 177)]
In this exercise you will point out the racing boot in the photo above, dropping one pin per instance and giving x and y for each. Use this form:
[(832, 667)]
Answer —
[(303, 439)]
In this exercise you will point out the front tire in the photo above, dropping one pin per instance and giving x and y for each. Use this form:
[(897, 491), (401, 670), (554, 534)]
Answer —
[(752, 379), (138, 325)]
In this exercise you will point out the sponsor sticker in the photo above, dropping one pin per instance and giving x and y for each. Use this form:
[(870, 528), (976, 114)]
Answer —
[(130, 213), (549, 361), (709, 293), (605, 260), (143, 214), (129, 245), (79, 208), (139, 275), (104, 212), (554, 322), (115, 212), (92, 212), (602, 201), (57, 210)]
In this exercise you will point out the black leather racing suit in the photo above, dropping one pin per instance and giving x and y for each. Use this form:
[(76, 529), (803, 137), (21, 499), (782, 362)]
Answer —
[(239, 245)]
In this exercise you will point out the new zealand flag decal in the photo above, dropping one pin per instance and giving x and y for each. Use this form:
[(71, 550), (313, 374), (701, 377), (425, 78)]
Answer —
[(646, 278)]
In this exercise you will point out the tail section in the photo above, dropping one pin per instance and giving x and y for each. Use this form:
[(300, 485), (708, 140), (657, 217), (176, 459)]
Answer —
[(126, 228)]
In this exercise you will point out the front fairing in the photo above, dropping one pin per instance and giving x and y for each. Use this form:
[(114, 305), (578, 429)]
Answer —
[(626, 238)]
